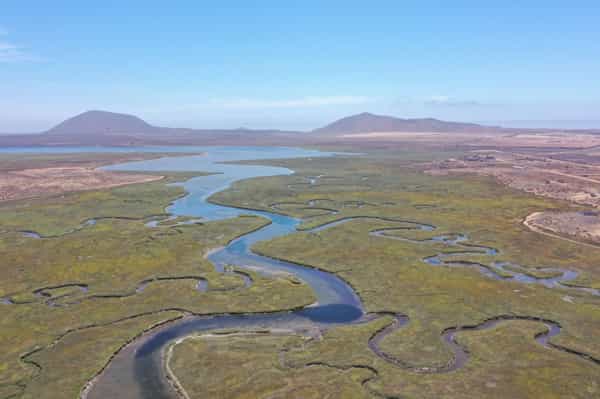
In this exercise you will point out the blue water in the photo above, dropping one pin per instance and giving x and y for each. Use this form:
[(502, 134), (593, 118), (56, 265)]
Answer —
[(139, 372), (329, 289)]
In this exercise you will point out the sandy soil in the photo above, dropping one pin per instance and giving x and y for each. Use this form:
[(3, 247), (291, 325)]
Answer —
[(55, 180), (413, 136), (39, 175), (575, 182), (419, 139), (581, 226), (549, 140)]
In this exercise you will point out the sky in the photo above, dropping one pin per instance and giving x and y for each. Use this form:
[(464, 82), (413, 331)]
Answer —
[(299, 64)]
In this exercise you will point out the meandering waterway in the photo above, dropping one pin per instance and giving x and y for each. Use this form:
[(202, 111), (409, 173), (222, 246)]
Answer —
[(138, 371)]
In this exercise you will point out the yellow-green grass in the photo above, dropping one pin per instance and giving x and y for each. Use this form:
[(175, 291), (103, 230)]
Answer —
[(488, 212), (256, 367), (505, 362), (64, 368), (390, 275), (112, 259), (62, 214)]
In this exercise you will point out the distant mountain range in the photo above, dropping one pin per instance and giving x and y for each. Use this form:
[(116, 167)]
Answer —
[(369, 123), (110, 128), (111, 123)]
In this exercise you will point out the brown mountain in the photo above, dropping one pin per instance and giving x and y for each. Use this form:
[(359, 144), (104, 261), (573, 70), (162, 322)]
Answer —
[(368, 123), (102, 122)]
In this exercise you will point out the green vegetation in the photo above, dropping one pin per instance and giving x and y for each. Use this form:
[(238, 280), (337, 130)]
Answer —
[(505, 362), (66, 366), (390, 275), (81, 299), (79, 294), (255, 366), (60, 215)]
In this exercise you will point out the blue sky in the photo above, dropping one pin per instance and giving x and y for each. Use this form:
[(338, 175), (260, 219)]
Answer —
[(299, 64)]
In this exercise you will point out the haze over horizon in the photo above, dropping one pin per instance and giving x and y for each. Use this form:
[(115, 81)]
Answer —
[(272, 65)]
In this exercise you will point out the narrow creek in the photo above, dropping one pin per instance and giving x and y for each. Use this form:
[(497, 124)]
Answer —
[(137, 371)]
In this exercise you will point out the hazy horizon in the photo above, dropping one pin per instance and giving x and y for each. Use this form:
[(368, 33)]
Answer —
[(525, 124)]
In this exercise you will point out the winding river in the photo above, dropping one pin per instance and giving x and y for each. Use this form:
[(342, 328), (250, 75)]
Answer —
[(137, 371)]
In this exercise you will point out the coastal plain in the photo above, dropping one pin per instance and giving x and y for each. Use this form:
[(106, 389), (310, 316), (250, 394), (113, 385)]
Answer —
[(86, 275)]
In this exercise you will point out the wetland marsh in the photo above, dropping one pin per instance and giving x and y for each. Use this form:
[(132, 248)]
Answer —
[(340, 271)]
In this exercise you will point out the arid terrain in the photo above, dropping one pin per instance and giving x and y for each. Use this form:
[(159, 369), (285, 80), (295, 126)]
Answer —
[(28, 176), (542, 173), (581, 225), (537, 174), (48, 181)]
